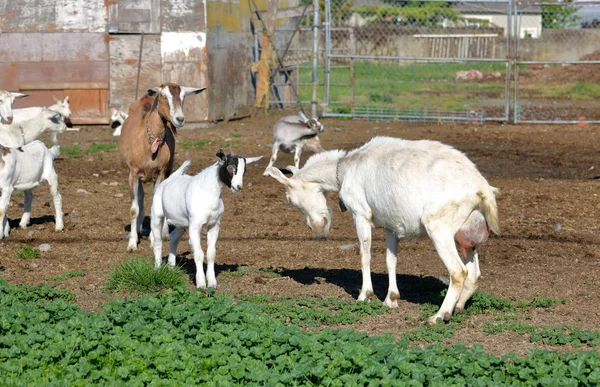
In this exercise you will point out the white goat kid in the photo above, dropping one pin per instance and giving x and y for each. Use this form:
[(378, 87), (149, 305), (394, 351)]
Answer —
[(23, 170), (117, 117), (194, 201), (7, 98), (25, 114), (293, 134), (16, 135), (409, 188)]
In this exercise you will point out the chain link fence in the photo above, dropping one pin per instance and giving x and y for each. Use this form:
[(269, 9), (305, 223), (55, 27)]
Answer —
[(471, 61)]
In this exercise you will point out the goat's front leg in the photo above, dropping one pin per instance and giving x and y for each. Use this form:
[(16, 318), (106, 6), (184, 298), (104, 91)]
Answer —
[(211, 252), (194, 232), (273, 158), (363, 229), (443, 240), (393, 295), (134, 187), (4, 201), (27, 200), (57, 199)]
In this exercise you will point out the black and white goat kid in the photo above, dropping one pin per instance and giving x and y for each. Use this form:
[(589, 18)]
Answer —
[(191, 202)]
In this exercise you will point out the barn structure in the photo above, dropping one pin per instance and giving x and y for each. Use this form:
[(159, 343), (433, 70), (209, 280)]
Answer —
[(104, 53)]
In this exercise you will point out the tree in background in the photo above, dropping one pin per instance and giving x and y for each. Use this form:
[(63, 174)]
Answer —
[(560, 16)]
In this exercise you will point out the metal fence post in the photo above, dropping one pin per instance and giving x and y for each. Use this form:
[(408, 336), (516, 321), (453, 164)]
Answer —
[(315, 76)]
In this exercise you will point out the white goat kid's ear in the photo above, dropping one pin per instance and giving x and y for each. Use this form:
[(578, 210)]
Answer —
[(292, 169), (18, 95), (250, 160), (279, 176), (192, 90)]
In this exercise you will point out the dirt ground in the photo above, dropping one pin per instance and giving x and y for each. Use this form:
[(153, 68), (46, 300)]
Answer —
[(549, 208)]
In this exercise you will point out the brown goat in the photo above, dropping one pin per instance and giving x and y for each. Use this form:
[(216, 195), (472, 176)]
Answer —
[(147, 144)]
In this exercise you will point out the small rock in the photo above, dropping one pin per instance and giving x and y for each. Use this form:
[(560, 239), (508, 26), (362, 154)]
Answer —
[(445, 280), (30, 233), (104, 183), (44, 248), (337, 130), (119, 195), (34, 265), (249, 185), (349, 246), (113, 183), (95, 175), (105, 172), (557, 227), (82, 191)]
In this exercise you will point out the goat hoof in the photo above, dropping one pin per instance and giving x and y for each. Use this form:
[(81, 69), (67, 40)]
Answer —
[(432, 321), (458, 310), (447, 316)]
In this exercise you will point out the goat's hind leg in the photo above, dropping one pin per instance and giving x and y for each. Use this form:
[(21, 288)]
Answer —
[(175, 237), (470, 285), (273, 158), (156, 222), (446, 249), (134, 212), (52, 180), (27, 200)]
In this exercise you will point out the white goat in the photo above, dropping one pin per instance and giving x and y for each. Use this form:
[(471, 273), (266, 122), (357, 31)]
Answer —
[(16, 135), (293, 134), (192, 202), (63, 107), (117, 117), (7, 98), (20, 116), (409, 188), (23, 170)]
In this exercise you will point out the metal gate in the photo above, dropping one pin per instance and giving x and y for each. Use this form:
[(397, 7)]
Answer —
[(469, 61)]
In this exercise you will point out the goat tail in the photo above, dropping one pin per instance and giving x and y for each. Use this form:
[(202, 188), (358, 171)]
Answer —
[(55, 151), (490, 208), (183, 169)]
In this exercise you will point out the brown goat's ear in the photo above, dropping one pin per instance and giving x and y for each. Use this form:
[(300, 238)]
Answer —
[(221, 154)]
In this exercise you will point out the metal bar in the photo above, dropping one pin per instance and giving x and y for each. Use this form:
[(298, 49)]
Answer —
[(509, 64), (327, 71), (417, 58), (315, 74), (137, 79)]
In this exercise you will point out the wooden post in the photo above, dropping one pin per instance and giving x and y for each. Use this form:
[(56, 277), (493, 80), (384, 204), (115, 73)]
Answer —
[(264, 65)]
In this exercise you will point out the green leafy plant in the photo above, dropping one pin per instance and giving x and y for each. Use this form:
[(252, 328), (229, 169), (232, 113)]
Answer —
[(139, 275), (28, 252), (198, 144)]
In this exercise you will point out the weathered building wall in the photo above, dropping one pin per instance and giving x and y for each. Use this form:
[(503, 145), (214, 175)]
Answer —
[(52, 49)]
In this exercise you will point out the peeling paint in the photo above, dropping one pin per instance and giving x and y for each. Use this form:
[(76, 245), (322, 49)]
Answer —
[(81, 14), (173, 42)]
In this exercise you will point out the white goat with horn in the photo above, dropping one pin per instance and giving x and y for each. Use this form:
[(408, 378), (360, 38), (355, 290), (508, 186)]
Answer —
[(293, 134), (7, 98), (409, 188)]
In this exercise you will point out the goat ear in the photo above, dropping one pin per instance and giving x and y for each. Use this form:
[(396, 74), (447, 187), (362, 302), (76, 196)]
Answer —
[(152, 92), (221, 154), (19, 95), (292, 169), (66, 99), (278, 175), (251, 160), (192, 90)]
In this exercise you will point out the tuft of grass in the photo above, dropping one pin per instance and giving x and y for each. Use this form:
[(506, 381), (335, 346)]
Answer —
[(236, 135), (139, 275), (28, 252), (199, 144), (75, 151), (64, 276)]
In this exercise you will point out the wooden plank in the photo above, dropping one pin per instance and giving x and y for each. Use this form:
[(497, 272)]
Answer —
[(90, 120), (74, 46), (62, 85), (134, 16), (20, 47), (183, 15)]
